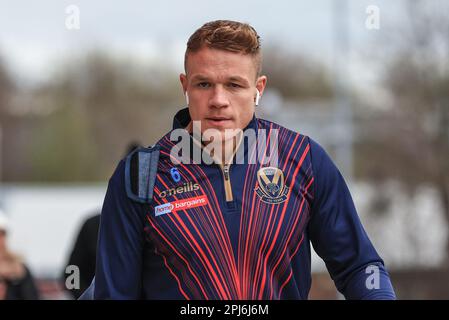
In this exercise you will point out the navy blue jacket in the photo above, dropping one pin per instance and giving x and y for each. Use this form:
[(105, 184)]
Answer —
[(240, 232)]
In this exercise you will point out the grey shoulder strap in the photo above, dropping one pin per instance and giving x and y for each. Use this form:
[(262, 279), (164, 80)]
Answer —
[(140, 173)]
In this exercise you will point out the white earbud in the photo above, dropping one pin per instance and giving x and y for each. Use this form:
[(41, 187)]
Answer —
[(187, 98), (257, 97)]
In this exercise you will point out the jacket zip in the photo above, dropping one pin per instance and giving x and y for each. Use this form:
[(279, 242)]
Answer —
[(227, 182)]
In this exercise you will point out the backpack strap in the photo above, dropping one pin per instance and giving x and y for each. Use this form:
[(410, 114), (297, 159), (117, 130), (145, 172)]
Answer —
[(140, 173)]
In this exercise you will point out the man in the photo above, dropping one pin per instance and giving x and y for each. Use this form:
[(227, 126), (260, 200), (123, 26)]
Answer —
[(219, 228), (83, 255)]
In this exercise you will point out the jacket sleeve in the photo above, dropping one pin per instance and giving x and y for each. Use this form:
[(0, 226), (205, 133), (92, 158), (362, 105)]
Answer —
[(120, 243), (339, 238)]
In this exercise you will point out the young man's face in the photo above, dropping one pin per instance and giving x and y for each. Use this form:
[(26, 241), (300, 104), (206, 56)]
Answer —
[(222, 88)]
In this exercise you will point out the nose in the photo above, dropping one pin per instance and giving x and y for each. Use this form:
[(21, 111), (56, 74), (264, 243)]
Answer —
[(219, 98)]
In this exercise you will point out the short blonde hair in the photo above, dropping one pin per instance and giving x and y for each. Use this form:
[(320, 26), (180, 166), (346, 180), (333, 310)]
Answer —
[(227, 35)]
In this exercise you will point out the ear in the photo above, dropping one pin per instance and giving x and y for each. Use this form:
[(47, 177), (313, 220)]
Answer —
[(183, 79), (261, 82)]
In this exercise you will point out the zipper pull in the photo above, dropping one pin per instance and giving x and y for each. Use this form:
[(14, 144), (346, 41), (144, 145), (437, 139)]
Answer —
[(226, 171)]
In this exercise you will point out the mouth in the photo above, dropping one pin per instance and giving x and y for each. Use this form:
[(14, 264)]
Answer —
[(219, 121)]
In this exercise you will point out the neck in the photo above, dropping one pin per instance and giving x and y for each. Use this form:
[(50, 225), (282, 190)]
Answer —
[(223, 151)]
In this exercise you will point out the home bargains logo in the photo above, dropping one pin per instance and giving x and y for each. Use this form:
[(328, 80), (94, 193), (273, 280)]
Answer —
[(183, 204)]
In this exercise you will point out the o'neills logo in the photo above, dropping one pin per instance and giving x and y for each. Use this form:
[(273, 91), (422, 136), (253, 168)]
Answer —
[(189, 186), (183, 204)]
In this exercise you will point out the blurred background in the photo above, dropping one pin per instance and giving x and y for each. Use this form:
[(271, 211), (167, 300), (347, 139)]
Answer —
[(369, 80)]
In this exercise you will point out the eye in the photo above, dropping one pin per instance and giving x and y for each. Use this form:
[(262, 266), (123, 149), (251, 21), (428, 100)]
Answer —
[(234, 85), (203, 85)]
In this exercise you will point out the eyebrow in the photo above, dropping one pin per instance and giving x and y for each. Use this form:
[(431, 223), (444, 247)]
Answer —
[(200, 77), (239, 79)]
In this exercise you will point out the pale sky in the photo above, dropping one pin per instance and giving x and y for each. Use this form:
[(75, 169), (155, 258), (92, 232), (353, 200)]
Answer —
[(34, 37)]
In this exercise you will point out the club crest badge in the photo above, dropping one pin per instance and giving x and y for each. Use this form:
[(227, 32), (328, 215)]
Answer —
[(271, 186)]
